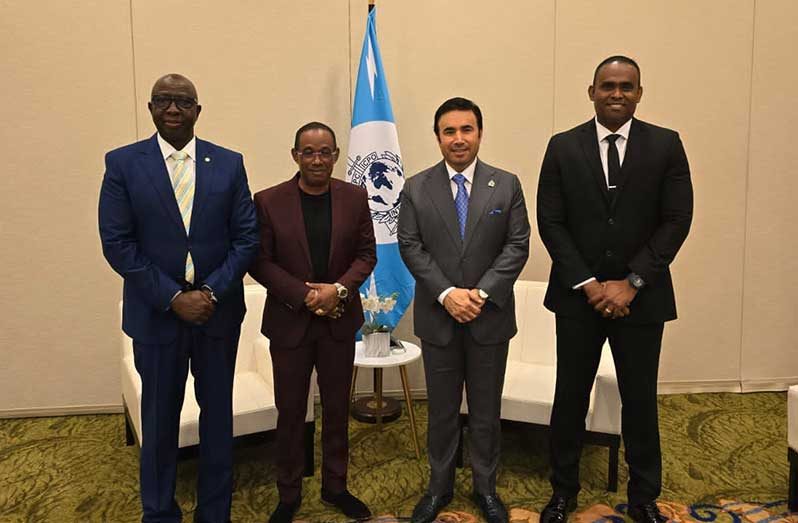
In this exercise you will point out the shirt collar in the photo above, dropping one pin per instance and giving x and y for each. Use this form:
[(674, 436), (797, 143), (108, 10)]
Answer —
[(167, 149), (603, 132), (468, 172)]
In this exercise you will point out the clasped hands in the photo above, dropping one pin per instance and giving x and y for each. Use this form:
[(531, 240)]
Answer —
[(195, 307), (463, 305), (610, 298), (322, 300)]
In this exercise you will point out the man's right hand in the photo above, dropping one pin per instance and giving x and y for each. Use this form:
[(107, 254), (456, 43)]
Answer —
[(462, 306), (193, 307), (596, 293)]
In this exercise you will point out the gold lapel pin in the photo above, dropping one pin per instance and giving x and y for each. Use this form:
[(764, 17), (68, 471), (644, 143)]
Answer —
[(207, 159), (491, 183)]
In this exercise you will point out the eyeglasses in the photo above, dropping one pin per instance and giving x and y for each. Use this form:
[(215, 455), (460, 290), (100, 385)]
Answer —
[(308, 154), (182, 102)]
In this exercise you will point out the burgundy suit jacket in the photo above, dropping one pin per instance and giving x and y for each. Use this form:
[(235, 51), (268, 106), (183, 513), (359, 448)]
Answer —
[(283, 263)]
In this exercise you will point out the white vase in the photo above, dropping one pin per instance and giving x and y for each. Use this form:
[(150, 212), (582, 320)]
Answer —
[(377, 344)]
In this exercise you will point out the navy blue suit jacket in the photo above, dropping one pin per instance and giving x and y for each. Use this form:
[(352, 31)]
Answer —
[(144, 239)]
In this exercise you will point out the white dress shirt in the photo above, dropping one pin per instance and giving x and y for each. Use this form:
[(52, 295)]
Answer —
[(604, 146)]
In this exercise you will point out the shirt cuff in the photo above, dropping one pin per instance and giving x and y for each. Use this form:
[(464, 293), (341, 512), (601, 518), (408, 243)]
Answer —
[(580, 285), (444, 294), (178, 293)]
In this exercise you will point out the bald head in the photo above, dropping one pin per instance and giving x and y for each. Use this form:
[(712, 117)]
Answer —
[(174, 80)]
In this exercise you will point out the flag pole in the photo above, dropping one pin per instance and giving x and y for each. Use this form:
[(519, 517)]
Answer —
[(371, 5)]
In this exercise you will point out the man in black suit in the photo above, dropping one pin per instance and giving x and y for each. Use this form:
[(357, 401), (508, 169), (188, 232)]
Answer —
[(615, 204)]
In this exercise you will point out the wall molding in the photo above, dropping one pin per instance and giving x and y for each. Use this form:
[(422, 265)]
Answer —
[(664, 388), (698, 386), (41, 412), (769, 385)]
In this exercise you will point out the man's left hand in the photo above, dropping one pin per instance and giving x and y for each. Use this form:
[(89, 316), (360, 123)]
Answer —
[(618, 295), (327, 299)]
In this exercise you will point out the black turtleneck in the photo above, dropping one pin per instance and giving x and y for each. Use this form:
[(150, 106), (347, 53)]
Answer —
[(317, 212)]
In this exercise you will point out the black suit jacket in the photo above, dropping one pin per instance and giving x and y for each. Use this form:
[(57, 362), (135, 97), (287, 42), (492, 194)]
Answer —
[(588, 235)]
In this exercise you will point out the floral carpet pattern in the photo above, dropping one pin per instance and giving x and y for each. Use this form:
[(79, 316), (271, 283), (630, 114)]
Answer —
[(725, 460)]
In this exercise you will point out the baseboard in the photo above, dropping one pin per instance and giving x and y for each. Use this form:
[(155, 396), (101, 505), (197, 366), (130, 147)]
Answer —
[(40, 412), (685, 387), (769, 385), (665, 387)]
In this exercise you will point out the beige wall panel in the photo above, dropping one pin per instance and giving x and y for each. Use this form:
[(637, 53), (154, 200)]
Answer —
[(262, 69), (770, 320), (498, 54), (68, 98), (696, 69)]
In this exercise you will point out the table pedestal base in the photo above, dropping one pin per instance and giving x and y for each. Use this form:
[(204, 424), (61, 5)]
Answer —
[(365, 410)]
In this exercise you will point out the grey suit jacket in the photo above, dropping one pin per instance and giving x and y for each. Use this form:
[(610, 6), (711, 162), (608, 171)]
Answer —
[(490, 257)]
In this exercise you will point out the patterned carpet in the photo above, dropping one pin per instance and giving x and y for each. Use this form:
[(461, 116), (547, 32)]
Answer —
[(725, 460)]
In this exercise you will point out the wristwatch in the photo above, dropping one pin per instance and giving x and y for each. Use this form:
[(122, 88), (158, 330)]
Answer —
[(635, 281), (211, 294), (482, 294), (343, 292)]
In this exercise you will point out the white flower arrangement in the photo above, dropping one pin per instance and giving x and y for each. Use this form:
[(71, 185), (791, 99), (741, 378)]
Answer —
[(373, 304)]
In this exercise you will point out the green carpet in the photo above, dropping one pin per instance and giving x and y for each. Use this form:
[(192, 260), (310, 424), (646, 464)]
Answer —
[(725, 459)]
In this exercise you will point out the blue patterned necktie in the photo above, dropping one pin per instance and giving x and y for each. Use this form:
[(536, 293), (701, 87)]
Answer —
[(461, 202)]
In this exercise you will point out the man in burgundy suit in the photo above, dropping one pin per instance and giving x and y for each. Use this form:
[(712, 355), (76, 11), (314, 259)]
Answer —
[(317, 247)]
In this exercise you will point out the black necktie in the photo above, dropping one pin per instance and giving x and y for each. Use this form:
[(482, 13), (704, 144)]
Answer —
[(613, 164)]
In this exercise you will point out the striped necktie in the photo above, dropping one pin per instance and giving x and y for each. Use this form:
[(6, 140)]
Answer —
[(183, 185)]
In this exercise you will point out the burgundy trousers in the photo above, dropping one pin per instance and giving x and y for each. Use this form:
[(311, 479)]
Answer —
[(293, 367)]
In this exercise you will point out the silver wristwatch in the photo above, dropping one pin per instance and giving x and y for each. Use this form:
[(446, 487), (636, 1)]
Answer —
[(635, 281), (343, 292)]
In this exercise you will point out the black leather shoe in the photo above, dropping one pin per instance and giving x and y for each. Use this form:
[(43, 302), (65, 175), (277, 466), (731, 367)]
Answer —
[(428, 507), (557, 509), (646, 513), (347, 503), (284, 513), (492, 507)]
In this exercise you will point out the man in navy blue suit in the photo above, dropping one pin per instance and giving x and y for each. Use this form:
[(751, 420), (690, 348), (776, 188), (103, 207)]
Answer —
[(178, 224)]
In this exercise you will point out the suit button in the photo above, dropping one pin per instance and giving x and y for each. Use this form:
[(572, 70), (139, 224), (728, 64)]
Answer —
[(611, 221), (609, 254)]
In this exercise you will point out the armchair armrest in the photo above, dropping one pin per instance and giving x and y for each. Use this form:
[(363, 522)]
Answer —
[(606, 405), (606, 398), (263, 359)]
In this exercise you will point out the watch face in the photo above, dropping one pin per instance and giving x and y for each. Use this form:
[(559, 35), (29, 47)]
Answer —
[(636, 281)]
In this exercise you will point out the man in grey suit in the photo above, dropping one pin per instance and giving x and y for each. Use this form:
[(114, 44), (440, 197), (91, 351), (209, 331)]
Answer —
[(464, 235)]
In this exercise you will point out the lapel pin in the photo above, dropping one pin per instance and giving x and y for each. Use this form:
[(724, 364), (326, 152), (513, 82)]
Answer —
[(491, 183), (207, 159)]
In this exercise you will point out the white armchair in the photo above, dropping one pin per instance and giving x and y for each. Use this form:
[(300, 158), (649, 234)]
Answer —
[(254, 409), (529, 380), (792, 441)]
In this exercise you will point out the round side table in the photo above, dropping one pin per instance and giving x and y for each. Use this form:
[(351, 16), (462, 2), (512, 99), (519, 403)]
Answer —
[(373, 409)]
